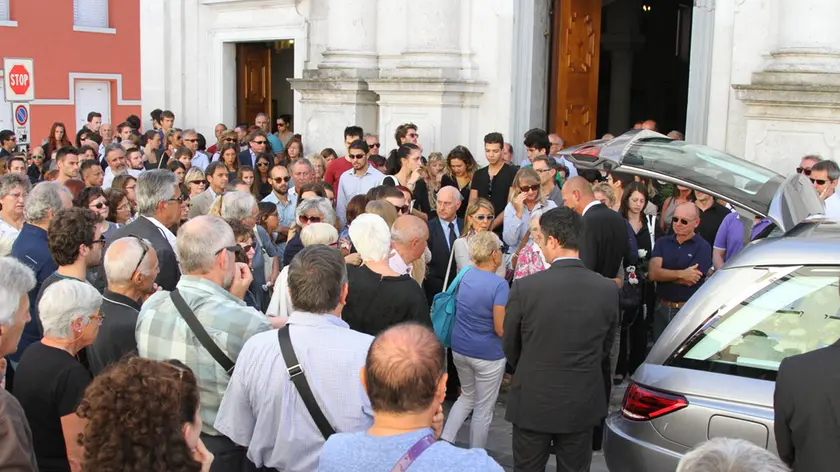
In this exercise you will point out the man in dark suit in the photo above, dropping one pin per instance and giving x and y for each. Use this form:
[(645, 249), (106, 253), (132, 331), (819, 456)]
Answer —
[(807, 408), (443, 231), (159, 204), (603, 244), (256, 145), (559, 342)]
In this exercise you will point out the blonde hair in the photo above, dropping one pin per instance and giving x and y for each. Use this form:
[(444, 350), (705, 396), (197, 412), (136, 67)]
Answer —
[(527, 174), (318, 233), (473, 208), (194, 174), (607, 190), (482, 246), (383, 208)]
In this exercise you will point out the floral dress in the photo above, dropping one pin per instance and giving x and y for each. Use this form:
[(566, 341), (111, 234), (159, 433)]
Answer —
[(530, 261)]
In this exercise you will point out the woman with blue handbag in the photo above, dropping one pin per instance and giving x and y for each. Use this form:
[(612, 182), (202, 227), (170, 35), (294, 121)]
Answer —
[(476, 339)]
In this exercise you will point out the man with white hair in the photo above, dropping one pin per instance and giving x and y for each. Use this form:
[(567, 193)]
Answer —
[(210, 295), (118, 164), (16, 448), (131, 265), (14, 189), (443, 231), (732, 455), (45, 201), (159, 202), (409, 237)]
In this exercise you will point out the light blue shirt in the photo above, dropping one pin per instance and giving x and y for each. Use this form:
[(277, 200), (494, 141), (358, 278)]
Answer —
[(515, 228), (276, 144), (262, 408), (361, 452), (350, 184), (445, 226), (286, 212), (200, 160), (560, 160)]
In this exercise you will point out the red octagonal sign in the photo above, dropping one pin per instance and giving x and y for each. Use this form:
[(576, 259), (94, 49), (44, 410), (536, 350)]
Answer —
[(19, 79)]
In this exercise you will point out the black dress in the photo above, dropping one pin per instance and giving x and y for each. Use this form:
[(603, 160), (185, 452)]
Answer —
[(375, 302)]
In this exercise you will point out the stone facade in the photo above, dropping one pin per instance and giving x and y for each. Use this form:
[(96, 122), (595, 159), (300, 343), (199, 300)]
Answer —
[(763, 81)]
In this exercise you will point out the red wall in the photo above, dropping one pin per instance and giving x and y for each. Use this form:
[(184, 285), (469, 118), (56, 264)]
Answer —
[(45, 34)]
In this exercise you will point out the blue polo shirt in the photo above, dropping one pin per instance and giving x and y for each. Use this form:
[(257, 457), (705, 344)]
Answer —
[(676, 256), (31, 248)]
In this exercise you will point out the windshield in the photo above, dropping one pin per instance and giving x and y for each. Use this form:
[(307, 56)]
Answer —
[(792, 314), (736, 180)]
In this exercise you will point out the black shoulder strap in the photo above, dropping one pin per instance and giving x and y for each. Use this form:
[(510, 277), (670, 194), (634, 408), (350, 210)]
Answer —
[(296, 374), (200, 333)]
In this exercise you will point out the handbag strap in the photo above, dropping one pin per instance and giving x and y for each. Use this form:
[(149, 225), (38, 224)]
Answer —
[(651, 223), (296, 374), (412, 454), (201, 333), (449, 266)]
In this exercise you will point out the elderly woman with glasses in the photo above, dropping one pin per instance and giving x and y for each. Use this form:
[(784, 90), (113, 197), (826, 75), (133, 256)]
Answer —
[(314, 233), (526, 197), (308, 211), (476, 340), (14, 188), (95, 199), (50, 381)]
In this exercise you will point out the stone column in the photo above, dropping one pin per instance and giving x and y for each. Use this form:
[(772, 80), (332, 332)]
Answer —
[(809, 37), (433, 37), (336, 94)]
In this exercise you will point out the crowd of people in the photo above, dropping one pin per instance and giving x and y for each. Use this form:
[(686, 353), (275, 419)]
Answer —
[(166, 305)]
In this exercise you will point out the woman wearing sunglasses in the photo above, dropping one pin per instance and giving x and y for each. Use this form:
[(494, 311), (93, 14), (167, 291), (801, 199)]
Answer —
[(261, 187), (308, 211), (526, 197), (478, 218), (227, 137), (195, 181), (245, 240), (94, 198), (284, 129)]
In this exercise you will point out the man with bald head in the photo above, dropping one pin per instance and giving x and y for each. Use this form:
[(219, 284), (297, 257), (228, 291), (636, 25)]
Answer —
[(405, 379), (604, 238), (443, 231), (131, 265), (679, 263), (409, 237)]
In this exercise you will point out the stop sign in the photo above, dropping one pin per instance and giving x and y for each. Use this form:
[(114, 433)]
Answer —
[(19, 79)]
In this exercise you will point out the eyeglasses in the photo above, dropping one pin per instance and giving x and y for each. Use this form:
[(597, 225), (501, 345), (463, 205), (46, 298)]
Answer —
[(281, 125), (246, 248), (142, 255), (183, 198), (413, 135), (356, 156), (541, 171), (262, 164), (17, 195), (101, 240), (403, 209), (309, 219), (800, 170), (37, 156), (100, 205), (483, 217), (229, 140), (198, 182), (258, 142), (281, 179), (818, 181), (525, 188), (192, 140), (683, 221), (234, 249), (374, 145)]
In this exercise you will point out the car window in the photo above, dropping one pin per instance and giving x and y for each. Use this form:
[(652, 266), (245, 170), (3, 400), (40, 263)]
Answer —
[(739, 180), (788, 315)]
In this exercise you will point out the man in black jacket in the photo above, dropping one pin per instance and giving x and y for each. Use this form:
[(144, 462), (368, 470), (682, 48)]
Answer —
[(559, 342), (807, 408), (443, 231)]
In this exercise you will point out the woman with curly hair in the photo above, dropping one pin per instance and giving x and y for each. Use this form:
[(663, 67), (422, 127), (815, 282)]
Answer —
[(143, 415)]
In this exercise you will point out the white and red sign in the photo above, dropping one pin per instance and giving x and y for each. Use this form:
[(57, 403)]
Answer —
[(19, 79), (20, 111)]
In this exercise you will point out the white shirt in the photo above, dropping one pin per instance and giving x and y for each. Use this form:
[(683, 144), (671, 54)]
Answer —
[(591, 204), (109, 176), (200, 160), (166, 233), (832, 206), (8, 234), (397, 264), (281, 302)]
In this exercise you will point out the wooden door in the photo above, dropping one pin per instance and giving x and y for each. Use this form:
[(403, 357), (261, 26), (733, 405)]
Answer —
[(253, 85), (577, 42)]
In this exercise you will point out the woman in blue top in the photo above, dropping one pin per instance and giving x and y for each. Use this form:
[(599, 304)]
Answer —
[(477, 340)]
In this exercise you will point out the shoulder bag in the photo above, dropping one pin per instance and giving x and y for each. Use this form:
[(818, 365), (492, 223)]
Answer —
[(299, 380), (195, 326)]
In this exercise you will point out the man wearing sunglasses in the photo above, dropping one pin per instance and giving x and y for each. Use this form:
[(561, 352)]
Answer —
[(807, 163), (337, 167), (356, 181), (199, 159), (8, 141), (279, 179), (275, 143), (824, 175), (679, 263), (257, 141)]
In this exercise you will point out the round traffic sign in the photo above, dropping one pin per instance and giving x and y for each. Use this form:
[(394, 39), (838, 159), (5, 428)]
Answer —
[(19, 79), (21, 115)]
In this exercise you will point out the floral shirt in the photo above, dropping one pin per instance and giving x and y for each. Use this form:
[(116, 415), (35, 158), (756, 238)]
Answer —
[(531, 260)]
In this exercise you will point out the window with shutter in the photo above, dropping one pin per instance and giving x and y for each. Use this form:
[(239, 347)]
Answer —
[(4, 10), (89, 13)]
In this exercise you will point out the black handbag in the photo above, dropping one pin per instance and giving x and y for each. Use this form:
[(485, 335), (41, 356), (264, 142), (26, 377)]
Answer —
[(629, 295)]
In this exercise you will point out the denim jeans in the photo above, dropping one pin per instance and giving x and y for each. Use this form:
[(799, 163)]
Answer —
[(480, 382), (662, 315)]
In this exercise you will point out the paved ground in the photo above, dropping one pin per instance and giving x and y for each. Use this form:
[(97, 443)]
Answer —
[(499, 439)]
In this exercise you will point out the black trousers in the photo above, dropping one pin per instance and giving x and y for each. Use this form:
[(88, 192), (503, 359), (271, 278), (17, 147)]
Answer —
[(227, 455), (531, 450)]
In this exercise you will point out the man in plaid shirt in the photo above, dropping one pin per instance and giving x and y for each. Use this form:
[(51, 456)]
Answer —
[(213, 286)]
